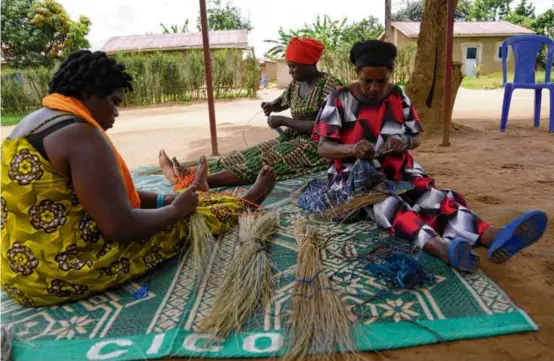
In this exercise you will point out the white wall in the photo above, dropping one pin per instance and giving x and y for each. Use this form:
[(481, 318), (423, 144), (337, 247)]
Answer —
[(283, 76)]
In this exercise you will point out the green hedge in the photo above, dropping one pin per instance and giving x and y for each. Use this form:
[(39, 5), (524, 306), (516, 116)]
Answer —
[(337, 62), (158, 78)]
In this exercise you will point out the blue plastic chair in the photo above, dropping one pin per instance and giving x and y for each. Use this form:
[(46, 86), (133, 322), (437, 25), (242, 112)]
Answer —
[(526, 48)]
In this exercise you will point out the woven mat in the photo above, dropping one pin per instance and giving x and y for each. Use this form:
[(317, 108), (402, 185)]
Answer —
[(114, 326)]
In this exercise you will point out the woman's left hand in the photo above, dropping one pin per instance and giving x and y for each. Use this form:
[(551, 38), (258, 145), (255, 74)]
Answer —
[(393, 144), (169, 197), (276, 121)]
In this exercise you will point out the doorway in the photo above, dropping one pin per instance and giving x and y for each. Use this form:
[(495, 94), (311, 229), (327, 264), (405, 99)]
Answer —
[(471, 60)]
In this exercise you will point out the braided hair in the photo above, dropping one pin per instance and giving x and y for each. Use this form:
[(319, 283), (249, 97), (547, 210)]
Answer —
[(96, 72)]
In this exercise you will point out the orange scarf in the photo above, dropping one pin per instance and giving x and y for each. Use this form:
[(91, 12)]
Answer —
[(74, 106)]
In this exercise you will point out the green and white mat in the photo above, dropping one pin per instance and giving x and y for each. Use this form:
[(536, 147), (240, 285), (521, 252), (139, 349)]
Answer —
[(115, 326)]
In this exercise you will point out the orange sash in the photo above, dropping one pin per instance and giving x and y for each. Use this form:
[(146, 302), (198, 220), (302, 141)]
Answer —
[(74, 106)]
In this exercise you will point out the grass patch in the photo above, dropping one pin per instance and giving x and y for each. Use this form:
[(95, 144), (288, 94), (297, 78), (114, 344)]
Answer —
[(493, 81), (238, 95), (11, 119)]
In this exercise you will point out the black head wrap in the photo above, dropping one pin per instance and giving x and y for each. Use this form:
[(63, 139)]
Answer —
[(373, 53)]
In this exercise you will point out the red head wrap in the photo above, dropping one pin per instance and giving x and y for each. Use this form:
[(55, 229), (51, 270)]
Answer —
[(304, 51)]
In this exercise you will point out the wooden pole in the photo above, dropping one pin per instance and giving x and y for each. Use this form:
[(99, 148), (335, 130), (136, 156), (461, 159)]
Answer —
[(448, 73), (388, 35), (208, 68)]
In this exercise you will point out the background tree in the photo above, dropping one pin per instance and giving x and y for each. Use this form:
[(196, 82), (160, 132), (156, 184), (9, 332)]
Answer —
[(388, 20), (39, 33), (173, 29), (462, 10), (426, 84), (525, 9), (488, 10), (544, 23), (368, 28), (224, 17), (332, 33), (283, 39), (522, 20), (413, 11), (338, 36), (16, 30)]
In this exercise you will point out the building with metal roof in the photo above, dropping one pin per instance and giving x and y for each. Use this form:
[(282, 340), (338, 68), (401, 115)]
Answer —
[(220, 39), (476, 44)]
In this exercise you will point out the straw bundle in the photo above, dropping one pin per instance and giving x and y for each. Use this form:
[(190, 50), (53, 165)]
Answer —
[(347, 209), (6, 343), (319, 320), (201, 243), (248, 283)]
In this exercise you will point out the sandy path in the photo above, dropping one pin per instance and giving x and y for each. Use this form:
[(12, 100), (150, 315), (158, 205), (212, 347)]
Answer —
[(184, 130)]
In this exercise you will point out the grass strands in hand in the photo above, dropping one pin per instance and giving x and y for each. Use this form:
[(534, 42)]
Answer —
[(201, 244), (249, 281), (319, 322), (355, 204), (347, 209)]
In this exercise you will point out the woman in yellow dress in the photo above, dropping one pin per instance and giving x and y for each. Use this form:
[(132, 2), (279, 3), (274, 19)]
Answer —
[(72, 222)]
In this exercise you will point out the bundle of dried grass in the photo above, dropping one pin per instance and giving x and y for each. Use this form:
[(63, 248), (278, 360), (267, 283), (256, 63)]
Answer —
[(201, 244), (319, 320), (6, 343), (354, 205), (248, 283)]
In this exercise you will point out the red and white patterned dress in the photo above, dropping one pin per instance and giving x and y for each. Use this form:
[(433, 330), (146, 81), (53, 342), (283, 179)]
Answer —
[(420, 214)]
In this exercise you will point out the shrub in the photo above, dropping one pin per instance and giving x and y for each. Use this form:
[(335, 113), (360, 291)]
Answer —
[(22, 91), (337, 62), (160, 77), (404, 63)]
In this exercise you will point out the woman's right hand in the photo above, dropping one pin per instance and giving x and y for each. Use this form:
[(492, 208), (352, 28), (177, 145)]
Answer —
[(186, 202), (363, 150), (268, 108)]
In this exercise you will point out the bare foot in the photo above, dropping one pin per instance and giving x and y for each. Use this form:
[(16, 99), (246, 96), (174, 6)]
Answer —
[(267, 178), (167, 167), (488, 236), (178, 169), (464, 258), (438, 247), (201, 179)]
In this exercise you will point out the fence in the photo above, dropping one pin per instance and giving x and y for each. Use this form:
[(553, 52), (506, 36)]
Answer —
[(158, 78)]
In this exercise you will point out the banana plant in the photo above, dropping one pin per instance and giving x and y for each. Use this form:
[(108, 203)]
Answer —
[(280, 45), (334, 34)]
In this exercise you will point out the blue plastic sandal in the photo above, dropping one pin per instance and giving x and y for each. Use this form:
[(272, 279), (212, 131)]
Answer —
[(461, 257), (506, 243)]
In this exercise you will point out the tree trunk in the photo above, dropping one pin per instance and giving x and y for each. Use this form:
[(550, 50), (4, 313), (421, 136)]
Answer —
[(388, 32), (426, 85)]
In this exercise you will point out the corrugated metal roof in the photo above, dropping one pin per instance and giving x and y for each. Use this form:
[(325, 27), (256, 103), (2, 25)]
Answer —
[(218, 39), (265, 60), (470, 28)]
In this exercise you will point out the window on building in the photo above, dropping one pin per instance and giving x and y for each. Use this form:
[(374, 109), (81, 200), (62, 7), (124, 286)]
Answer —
[(498, 53), (471, 53)]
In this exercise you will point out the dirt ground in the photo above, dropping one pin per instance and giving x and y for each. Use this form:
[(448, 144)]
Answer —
[(501, 175)]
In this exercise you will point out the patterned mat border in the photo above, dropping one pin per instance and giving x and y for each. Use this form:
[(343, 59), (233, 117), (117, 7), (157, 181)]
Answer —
[(181, 343)]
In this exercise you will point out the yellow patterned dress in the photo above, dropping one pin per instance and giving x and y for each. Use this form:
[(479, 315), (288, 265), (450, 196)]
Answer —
[(53, 252)]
